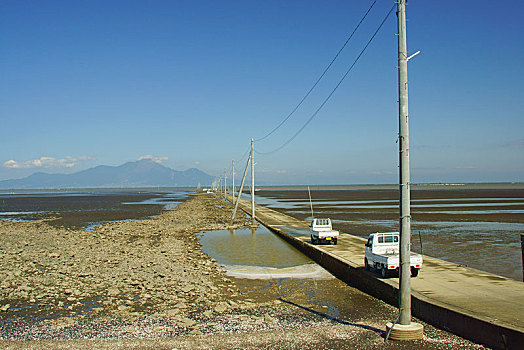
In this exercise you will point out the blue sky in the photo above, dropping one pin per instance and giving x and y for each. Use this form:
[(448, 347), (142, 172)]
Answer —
[(188, 83)]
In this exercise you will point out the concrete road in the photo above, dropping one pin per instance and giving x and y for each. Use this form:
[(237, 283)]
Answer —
[(477, 305)]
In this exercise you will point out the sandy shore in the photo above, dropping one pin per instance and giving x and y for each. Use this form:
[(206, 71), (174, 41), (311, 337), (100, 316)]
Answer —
[(147, 284)]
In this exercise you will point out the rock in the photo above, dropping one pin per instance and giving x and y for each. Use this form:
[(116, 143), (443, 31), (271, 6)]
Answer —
[(187, 322), (207, 313), (247, 305), (181, 305), (112, 291), (26, 288), (221, 307), (173, 312), (269, 319), (187, 289), (5, 307)]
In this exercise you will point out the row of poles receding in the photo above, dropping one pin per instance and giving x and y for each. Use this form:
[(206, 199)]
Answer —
[(221, 186), (404, 174)]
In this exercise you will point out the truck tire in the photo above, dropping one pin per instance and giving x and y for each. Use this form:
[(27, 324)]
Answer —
[(414, 272), (366, 265), (313, 240), (384, 272), (335, 241)]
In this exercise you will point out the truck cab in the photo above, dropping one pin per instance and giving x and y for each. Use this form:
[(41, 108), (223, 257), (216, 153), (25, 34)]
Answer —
[(383, 243), (382, 253), (321, 230)]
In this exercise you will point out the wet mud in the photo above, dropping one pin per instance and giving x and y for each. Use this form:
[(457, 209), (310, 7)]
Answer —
[(149, 284), (474, 226), (79, 209)]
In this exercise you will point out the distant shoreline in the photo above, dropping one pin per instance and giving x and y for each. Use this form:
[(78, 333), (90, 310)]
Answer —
[(416, 186), (429, 186)]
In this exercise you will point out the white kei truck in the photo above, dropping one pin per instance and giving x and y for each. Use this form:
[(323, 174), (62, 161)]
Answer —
[(321, 230), (382, 253)]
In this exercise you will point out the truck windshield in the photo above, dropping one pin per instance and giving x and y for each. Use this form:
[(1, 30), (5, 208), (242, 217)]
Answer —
[(322, 221)]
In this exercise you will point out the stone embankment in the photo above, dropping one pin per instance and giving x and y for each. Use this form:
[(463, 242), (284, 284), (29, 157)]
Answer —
[(148, 284), (128, 269)]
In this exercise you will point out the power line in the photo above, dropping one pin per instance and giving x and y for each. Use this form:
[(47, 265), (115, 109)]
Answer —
[(333, 91), (245, 154), (320, 78)]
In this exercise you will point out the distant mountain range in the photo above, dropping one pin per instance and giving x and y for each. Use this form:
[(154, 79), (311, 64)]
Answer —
[(142, 173)]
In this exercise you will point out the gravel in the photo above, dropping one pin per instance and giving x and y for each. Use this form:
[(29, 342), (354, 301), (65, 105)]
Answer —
[(147, 284)]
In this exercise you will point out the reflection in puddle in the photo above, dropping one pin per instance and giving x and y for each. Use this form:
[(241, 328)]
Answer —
[(258, 254)]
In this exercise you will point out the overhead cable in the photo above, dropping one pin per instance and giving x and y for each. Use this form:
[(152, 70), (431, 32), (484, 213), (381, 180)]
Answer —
[(245, 154), (333, 91), (320, 78)]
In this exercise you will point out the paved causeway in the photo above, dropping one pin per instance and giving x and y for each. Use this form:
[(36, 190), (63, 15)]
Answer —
[(477, 305)]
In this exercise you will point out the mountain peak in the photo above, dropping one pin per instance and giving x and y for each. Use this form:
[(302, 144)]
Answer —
[(140, 173)]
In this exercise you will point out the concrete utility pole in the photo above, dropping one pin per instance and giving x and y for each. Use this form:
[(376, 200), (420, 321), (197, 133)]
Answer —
[(407, 329), (522, 253), (240, 190), (404, 176), (225, 185), (233, 176), (252, 183)]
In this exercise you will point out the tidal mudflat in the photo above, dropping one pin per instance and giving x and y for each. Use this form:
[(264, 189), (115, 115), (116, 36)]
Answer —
[(472, 225), (149, 284)]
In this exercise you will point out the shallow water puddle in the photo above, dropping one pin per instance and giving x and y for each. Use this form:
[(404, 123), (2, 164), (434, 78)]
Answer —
[(258, 254)]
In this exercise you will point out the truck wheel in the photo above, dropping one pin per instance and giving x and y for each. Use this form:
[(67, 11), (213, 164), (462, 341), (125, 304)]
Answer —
[(414, 272), (313, 240), (366, 265), (335, 241), (383, 272)]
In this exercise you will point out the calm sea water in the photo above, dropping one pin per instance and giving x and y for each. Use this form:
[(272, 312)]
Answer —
[(479, 228), (476, 227), (84, 208)]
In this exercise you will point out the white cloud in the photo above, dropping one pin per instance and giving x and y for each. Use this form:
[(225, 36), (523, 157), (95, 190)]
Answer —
[(157, 159), (47, 162), (465, 167)]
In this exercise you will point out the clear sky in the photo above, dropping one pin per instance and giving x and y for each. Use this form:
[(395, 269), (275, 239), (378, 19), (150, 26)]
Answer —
[(189, 83)]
